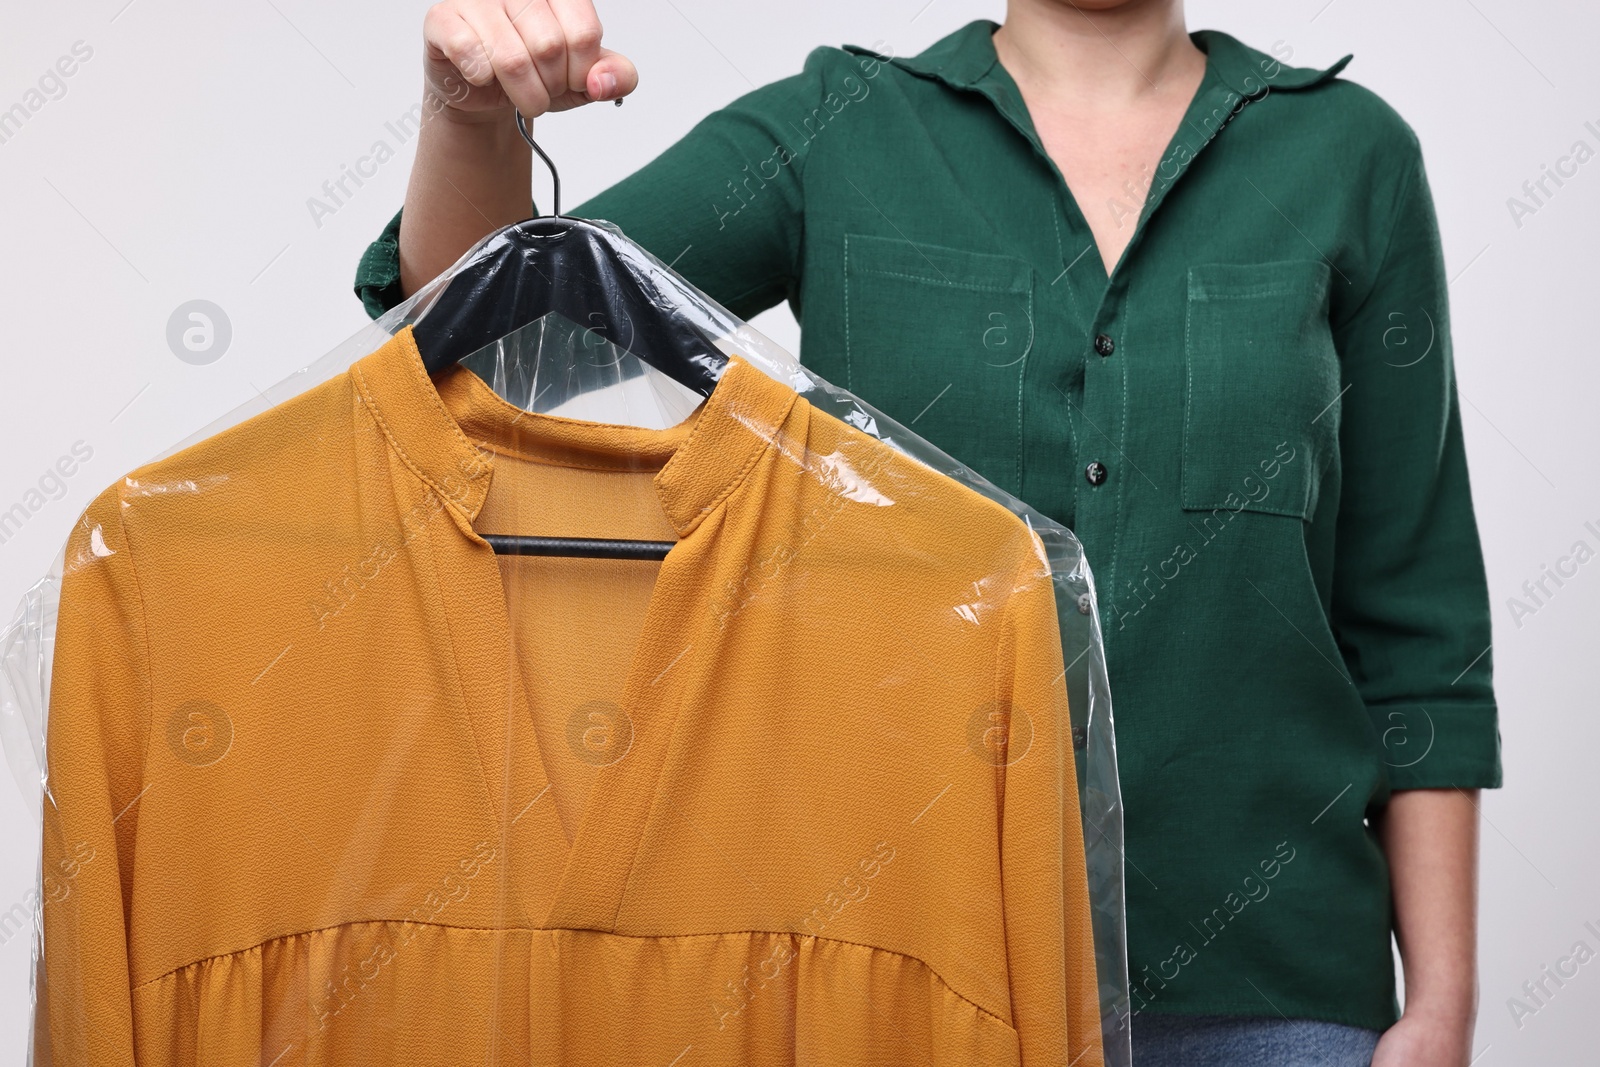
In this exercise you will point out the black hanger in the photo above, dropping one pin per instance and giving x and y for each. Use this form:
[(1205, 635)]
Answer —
[(594, 278), (586, 273)]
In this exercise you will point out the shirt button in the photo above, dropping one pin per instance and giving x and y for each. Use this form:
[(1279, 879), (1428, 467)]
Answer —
[(1084, 603), (1104, 345), (1095, 472)]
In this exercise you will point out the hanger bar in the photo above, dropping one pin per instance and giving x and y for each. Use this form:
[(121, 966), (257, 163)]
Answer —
[(584, 547)]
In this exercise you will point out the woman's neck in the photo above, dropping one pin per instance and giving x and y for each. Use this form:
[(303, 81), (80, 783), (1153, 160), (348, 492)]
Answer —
[(1096, 55)]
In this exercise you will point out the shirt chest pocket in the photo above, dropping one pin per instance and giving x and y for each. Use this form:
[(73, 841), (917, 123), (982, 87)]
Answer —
[(938, 339), (1261, 398)]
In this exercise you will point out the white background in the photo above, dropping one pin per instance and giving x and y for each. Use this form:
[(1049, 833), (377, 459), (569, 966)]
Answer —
[(179, 161)]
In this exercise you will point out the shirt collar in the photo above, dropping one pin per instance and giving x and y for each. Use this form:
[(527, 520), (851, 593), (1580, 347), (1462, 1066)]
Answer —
[(959, 58), (1250, 71), (966, 56), (449, 430)]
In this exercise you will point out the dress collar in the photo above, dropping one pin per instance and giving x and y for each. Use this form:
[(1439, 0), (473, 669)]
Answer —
[(449, 430)]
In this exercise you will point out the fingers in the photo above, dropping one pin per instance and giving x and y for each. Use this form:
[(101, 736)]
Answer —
[(521, 69), (446, 33), (538, 54), (455, 60), (580, 26), (539, 35)]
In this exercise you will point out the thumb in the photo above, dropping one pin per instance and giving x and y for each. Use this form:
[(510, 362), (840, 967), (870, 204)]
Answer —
[(612, 77)]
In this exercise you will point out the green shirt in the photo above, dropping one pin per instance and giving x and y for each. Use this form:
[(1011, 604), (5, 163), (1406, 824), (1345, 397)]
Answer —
[(1251, 425)]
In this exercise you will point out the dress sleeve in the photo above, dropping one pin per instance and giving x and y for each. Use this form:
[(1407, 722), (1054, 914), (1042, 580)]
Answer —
[(1049, 936), (96, 734), (722, 205), (1410, 603)]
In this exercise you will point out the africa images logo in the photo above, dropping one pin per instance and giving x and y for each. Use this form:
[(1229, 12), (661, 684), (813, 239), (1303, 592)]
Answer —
[(199, 733)]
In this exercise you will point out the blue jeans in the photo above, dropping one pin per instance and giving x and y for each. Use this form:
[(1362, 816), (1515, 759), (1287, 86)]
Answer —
[(1229, 1041)]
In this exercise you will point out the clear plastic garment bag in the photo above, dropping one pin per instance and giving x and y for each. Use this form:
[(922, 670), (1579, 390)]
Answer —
[(559, 672)]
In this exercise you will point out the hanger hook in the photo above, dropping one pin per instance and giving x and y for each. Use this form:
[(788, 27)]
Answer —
[(523, 127)]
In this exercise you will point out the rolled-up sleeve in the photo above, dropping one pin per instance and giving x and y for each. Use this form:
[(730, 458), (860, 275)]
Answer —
[(1410, 604)]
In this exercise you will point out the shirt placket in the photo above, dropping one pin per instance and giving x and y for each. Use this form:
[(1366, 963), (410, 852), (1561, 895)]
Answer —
[(1088, 379)]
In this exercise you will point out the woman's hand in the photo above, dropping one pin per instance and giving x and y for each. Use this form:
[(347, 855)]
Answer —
[(480, 59), (483, 57), (1420, 1039)]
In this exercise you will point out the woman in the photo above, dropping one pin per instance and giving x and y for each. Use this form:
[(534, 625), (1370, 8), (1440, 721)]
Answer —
[(1188, 300)]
